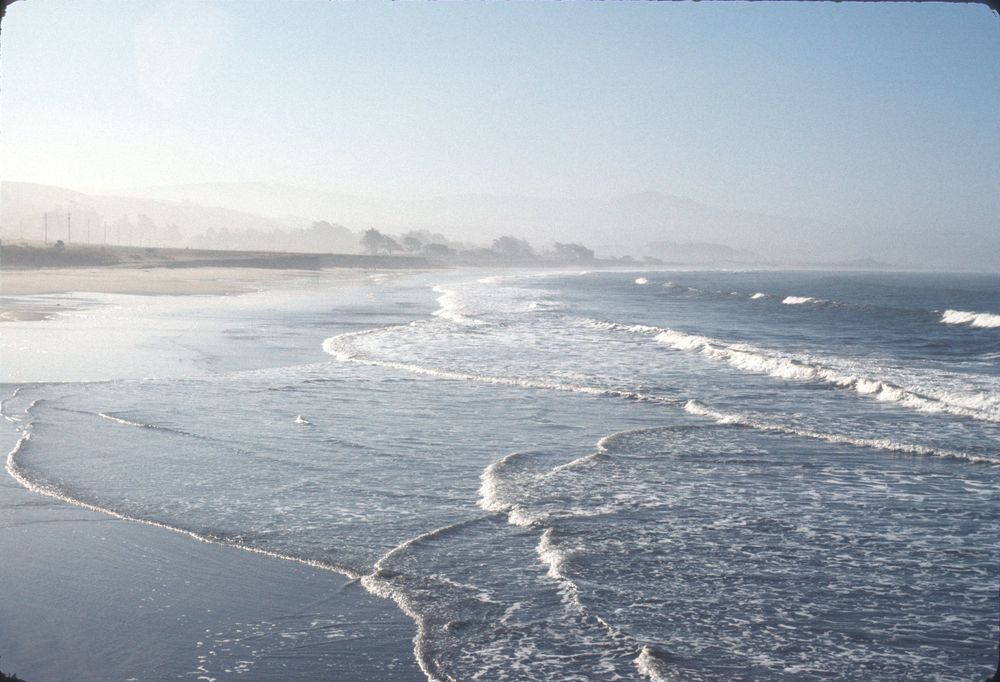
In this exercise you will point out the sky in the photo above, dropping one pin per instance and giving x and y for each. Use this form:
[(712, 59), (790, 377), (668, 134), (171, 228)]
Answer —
[(885, 116)]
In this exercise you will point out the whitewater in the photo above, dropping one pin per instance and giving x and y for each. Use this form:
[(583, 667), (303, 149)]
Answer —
[(579, 475)]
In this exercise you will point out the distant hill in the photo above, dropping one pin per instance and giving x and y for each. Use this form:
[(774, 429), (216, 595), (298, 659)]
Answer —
[(620, 225), (33, 211), (700, 253)]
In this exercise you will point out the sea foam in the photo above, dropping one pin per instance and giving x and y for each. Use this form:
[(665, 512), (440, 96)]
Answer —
[(836, 372), (972, 319), (797, 300), (698, 408)]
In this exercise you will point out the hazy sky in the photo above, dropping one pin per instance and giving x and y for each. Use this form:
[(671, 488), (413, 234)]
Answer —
[(868, 113)]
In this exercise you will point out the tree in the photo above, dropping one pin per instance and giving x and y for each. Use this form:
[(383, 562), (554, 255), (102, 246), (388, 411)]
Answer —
[(322, 235), (512, 248), (372, 241), (436, 250), (573, 252), (390, 244), (412, 244)]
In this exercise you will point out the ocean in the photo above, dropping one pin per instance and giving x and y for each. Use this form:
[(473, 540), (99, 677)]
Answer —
[(582, 475)]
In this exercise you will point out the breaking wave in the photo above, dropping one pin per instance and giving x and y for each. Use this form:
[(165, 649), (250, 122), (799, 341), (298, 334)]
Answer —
[(799, 300), (698, 408), (745, 357), (987, 320)]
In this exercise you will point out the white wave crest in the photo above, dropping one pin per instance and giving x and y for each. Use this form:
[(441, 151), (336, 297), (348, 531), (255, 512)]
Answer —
[(748, 358), (641, 280), (698, 408), (615, 326), (126, 422), (652, 668), (987, 320), (759, 295), (555, 559), (335, 346), (798, 300), (984, 406), (493, 490)]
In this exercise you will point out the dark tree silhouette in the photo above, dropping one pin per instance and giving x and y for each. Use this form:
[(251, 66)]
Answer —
[(371, 241)]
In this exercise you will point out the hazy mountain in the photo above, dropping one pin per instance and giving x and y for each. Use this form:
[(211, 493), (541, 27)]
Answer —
[(623, 225), (700, 252), (23, 205), (616, 226)]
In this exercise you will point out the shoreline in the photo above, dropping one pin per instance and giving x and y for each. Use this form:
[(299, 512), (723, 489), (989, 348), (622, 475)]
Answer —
[(91, 594), (147, 603)]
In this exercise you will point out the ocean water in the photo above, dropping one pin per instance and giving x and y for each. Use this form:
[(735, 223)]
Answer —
[(574, 475)]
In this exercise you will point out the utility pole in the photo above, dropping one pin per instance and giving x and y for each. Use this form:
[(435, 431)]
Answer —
[(105, 232), (69, 227), (88, 228), (45, 234)]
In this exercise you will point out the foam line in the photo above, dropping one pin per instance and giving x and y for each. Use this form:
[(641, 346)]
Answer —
[(698, 408), (685, 342), (332, 346), (369, 581)]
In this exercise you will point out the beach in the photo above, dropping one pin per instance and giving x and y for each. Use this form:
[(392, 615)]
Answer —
[(93, 597), (513, 475)]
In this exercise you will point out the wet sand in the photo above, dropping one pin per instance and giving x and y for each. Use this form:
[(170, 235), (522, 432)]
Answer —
[(84, 596), (89, 597)]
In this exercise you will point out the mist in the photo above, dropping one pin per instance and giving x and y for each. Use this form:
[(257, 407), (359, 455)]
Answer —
[(774, 134)]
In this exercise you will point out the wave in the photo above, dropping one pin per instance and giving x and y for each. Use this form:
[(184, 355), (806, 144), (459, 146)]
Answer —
[(556, 559), (652, 668), (142, 425), (980, 407), (759, 295), (127, 422), (370, 581), (800, 300), (333, 346), (748, 358), (493, 491), (379, 583), (698, 408), (3, 406), (972, 319), (566, 553), (451, 308), (15, 471), (641, 280)]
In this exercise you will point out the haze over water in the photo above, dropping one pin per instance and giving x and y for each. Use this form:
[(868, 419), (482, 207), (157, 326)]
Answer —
[(797, 131)]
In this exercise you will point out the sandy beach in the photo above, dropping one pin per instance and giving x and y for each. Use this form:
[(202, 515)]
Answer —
[(140, 281), (91, 597)]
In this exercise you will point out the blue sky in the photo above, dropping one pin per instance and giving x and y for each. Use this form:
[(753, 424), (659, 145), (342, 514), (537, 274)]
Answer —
[(879, 114)]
